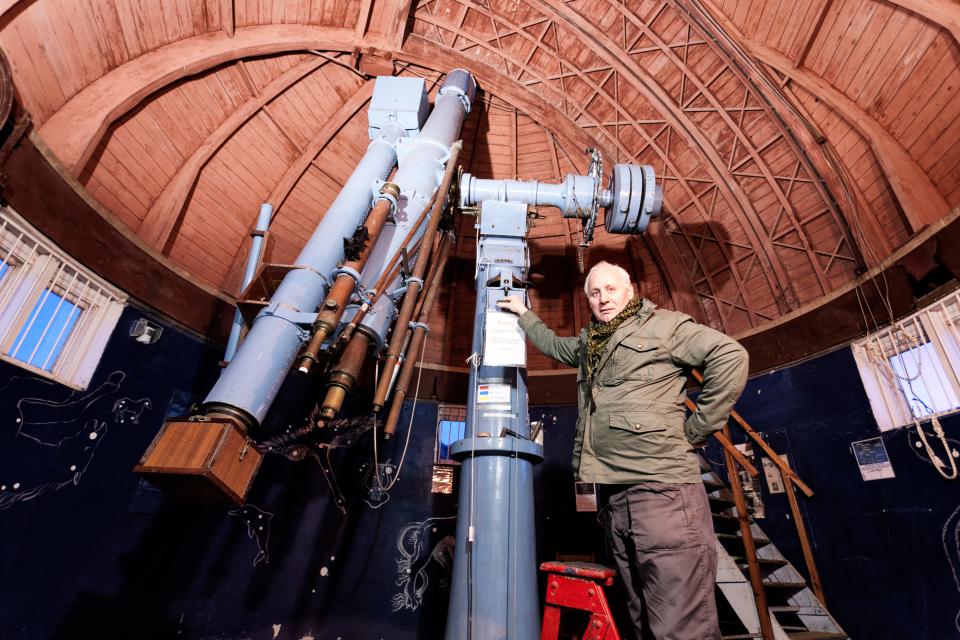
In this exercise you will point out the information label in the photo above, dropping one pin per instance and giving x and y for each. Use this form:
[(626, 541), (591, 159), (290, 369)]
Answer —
[(503, 340), (872, 459), (494, 393)]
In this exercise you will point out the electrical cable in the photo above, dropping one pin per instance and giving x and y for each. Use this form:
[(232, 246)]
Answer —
[(413, 411)]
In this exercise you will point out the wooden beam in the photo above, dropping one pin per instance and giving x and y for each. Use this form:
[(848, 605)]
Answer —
[(227, 17), (334, 123), (74, 131), (165, 213), (808, 40), (685, 298), (363, 18), (649, 87), (398, 26), (919, 198), (541, 105), (7, 5), (945, 13)]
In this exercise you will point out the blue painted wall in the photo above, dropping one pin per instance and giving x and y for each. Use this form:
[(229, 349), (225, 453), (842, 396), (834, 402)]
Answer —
[(95, 552)]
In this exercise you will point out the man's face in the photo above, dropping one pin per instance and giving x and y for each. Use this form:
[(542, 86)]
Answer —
[(608, 294)]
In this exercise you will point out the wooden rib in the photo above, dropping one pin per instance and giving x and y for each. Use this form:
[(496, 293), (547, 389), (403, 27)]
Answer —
[(167, 209), (733, 192), (650, 142), (918, 196), (335, 122), (227, 17), (398, 27), (74, 131), (363, 19), (945, 13), (665, 254), (6, 5), (648, 85), (333, 125)]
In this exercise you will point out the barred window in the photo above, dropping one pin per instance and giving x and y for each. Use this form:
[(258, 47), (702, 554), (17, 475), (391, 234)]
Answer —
[(911, 369), (55, 316), (451, 426)]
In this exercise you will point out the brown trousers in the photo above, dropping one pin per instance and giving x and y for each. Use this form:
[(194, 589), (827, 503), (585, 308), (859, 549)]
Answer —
[(661, 538)]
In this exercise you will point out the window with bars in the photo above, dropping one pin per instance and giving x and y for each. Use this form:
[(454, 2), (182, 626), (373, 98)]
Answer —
[(451, 426), (911, 369), (55, 316)]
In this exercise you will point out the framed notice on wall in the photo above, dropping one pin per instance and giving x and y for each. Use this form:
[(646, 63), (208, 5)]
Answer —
[(872, 459)]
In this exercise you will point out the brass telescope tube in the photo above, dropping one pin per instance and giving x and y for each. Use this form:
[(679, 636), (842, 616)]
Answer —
[(413, 286), (419, 334), (343, 287), (347, 370), (345, 375)]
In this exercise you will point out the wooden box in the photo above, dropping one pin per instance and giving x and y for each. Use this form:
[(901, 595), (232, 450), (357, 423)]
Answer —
[(201, 461)]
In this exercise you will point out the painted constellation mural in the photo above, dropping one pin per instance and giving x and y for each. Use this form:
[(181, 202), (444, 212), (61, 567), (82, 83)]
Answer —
[(130, 410), (56, 429), (258, 528), (416, 556)]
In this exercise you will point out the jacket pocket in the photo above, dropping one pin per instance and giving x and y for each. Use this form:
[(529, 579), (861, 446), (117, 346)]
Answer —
[(637, 441), (636, 358)]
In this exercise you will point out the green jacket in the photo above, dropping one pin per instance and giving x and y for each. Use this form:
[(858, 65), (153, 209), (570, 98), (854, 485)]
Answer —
[(631, 426)]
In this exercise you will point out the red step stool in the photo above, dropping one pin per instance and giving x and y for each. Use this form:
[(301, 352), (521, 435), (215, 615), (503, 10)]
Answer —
[(578, 585)]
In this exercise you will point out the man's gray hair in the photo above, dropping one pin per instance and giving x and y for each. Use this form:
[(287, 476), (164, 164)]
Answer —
[(603, 264)]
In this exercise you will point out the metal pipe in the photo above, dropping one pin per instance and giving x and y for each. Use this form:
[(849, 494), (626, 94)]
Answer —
[(632, 199), (572, 196), (253, 259), (250, 382), (348, 275), (414, 283), (416, 337)]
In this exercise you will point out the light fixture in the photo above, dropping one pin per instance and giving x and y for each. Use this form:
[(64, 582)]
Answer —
[(145, 332)]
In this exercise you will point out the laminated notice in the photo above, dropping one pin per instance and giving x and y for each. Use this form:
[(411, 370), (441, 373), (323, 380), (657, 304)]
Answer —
[(504, 344)]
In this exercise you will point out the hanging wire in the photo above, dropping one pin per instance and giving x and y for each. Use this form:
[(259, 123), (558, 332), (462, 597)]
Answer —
[(406, 444)]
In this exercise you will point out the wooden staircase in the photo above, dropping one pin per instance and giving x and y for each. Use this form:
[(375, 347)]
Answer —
[(795, 612), (759, 593)]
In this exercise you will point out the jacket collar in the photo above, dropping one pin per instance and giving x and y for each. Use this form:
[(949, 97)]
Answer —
[(623, 332)]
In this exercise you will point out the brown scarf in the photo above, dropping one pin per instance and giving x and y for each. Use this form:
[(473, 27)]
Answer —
[(598, 334)]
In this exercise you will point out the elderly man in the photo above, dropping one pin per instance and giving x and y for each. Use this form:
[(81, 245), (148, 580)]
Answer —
[(632, 440)]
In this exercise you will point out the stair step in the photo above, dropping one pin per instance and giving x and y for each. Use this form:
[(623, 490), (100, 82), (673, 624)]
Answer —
[(720, 503), (713, 485), (735, 537), (764, 562), (783, 608), (726, 517), (785, 585), (816, 635)]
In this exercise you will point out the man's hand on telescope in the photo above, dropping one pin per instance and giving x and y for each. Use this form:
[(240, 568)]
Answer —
[(513, 304)]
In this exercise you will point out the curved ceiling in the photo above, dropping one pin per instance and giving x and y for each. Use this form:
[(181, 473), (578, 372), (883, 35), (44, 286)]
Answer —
[(798, 144)]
